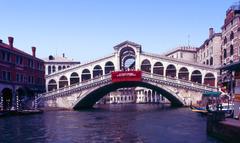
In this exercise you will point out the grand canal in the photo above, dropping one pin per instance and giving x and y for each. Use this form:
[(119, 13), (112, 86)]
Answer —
[(130, 123)]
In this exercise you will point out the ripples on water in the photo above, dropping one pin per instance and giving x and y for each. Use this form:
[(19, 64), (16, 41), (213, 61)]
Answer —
[(129, 123)]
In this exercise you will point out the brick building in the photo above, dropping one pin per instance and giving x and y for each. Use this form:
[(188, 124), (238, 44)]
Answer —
[(21, 75), (209, 53)]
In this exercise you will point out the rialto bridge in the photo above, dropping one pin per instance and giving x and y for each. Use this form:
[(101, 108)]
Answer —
[(82, 85)]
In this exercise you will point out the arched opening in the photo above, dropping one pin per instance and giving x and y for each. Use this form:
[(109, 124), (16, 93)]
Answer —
[(183, 73), (158, 68), (89, 99), (127, 58), (146, 66), (109, 66), (63, 82), (209, 79), (52, 85), (86, 75), (7, 98), (97, 71), (196, 76), (21, 94), (74, 78), (64, 67), (49, 69), (59, 68), (171, 71)]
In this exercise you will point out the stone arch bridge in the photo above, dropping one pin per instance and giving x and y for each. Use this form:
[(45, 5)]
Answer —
[(82, 85)]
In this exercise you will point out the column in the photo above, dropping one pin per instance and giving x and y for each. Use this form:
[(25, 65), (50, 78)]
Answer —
[(1, 101), (17, 101), (14, 101)]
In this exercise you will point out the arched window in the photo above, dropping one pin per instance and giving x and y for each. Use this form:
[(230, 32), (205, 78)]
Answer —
[(49, 69), (52, 85), (97, 71), (146, 66), (196, 76), (64, 67), (209, 79), (207, 62), (109, 66), (74, 78), (86, 75), (59, 68), (183, 73), (211, 61), (231, 35), (158, 68), (171, 71), (231, 50), (224, 53), (63, 81)]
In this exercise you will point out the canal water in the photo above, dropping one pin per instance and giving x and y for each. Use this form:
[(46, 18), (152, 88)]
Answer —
[(126, 123)]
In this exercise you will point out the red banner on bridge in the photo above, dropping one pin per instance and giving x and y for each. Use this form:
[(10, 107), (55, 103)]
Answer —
[(120, 76)]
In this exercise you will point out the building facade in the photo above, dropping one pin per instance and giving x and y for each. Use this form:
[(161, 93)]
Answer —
[(185, 53), (58, 63), (230, 70), (134, 95), (230, 36), (21, 75), (209, 53)]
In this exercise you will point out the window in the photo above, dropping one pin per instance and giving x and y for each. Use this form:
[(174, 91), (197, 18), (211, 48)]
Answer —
[(231, 35), (224, 53), (207, 62), (8, 76), (211, 61), (17, 78), (4, 73), (225, 40), (18, 60), (181, 55), (231, 50)]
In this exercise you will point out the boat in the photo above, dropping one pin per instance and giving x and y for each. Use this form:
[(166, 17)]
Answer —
[(198, 109)]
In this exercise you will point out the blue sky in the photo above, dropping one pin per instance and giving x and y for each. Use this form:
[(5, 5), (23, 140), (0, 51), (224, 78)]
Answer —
[(88, 29)]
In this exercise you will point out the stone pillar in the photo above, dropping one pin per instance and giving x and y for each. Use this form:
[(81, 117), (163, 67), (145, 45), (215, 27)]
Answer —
[(1, 101), (14, 102), (17, 101)]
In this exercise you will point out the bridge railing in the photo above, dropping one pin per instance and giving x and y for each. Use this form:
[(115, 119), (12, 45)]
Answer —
[(179, 81), (73, 86)]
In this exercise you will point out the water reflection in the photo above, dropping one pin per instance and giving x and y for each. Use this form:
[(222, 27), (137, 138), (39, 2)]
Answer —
[(108, 123)]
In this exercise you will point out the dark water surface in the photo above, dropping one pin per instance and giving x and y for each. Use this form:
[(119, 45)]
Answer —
[(132, 123)]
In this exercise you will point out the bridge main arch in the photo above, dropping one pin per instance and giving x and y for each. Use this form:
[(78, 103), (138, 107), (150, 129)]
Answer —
[(89, 99)]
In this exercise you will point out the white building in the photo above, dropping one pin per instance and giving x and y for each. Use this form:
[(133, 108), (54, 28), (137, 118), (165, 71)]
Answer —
[(57, 63), (185, 53), (135, 95)]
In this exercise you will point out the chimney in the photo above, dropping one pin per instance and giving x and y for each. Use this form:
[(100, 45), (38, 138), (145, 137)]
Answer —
[(10, 41), (211, 32), (1, 41), (63, 55), (34, 51)]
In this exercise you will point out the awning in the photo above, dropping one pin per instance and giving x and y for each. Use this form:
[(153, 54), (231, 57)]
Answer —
[(212, 94), (231, 67)]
